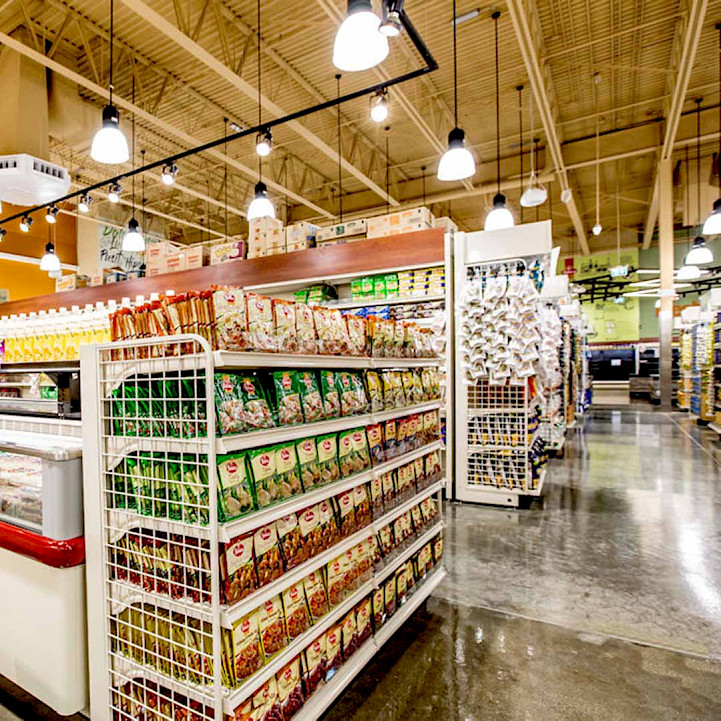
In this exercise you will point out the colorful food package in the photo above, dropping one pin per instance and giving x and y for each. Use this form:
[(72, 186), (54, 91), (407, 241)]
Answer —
[(363, 562), (267, 554), (349, 635), (328, 458), (438, 549), (407, 525), (345, 453), (401, 584), (374, 387), (411, 575), (307, 451), (404, 489), (375, 493), (287, 398), (431, 426), (409, 387), (361, 452), (412, 438), (311, 531), (247, 651), (237, 570), (426, 510), (363, 614), (272, 627), (389, 490), (373, 551), (433, 467), (330, 531), (295, 611), (424, 561), (305, 329), (310, 397), (292, 547), (350, 404), (362, 506), (399, 536), (345, 513), (265, 481), (386, 541), (287, 470), (363, 405), (255, 404), (402, 436), (379, 608), (398, 344), (333, 654), (390, 438), (327, 345), (230, 319), (336, 578), (290, 689), (357, 335), (284, 319), (374, 435), (316, 596), (313, 665), (229, 404), (417, 519), (339, 332), (261, 328), (331, 396), (389, 596), (235, 497), (351, 580), (419, 471)]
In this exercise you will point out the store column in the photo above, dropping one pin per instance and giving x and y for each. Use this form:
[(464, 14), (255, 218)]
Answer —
[(666, 259)]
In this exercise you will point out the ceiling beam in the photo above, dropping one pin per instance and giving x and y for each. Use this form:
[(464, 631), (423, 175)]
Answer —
[(172, 32), (181, 135), (543, 93), (688, 32)]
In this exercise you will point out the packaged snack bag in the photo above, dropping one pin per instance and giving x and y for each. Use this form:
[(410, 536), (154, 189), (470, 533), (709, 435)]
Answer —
[(237, 568), (311, 531), (229, 404), (345, 453), (305, 329), (292, 547), (336, 575), (362, 506), (419, 468), (327, 345), (373, 550), (407, 525), (261, 329), (271, 627), (389, 596), (408, 387), (346, 514), (398, 339), (433, 466), (363, 615), (333, 654), (438, 549), (295, 611), (328, 524), (425, 510), (357, 335), (255, 404), (316, 596), (246, 647), (349, 402), (287, 471), (328, 458), (374, 434), (262, 464), (362, 404), (350, 572), (401, 584), (379, 609), (417, 519), (194, 489), (390, 438), (235, 497), (310, 397), (363, 562), (375, 492), (374, 386), (290, 689), (230, 319), (404, 488), (287, 396), (285, 333), (265, 702), (401, 436), (399, 535), (331, 396), (386, 541), (307, 451), (267, 554), (399, 396), (314, 665), (349, 636), (431, 426), (339, 332), (361, 452), (389, 490)]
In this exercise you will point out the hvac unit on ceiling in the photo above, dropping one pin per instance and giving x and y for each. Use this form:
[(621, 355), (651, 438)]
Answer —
[(25, 180)]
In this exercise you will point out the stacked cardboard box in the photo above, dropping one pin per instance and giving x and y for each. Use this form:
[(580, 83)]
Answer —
[(71, 282), (406, 221), (342, 233), (446, 223), (300, 236), (266, 237), (226, 251), (156, 255)]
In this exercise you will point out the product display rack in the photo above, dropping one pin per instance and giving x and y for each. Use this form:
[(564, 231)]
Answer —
[(125, 612), (702, 373)]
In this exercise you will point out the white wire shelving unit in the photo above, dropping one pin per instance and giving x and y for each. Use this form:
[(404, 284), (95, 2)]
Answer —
[(158, 629)]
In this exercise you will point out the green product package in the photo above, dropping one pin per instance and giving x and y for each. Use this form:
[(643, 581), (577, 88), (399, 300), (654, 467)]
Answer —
[(352, 393), (328, 458), (287, 470), (307, 450), (379, 287), (367, 286), (235, 494), (159, 473), (360, 392), (255, 404), (287, 398), (310, 397), (301, 296), (194, 489), (229, 404), (345, 453), (331, 397), (122, 485), (356, 289), (265, 481), (391, 285), (175, 492)]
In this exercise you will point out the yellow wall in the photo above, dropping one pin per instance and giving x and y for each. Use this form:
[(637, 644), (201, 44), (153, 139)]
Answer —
[(24, 280)]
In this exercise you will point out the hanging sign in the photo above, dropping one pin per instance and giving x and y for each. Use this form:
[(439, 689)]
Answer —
[(110, 250)]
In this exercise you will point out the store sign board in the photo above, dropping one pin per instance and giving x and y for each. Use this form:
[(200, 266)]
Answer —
[(110, 250), (613, 322)]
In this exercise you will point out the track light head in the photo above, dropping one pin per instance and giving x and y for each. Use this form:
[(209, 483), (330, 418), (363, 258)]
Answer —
[(25, 223), (391, 25), (264, 143), (168, 175), (379, 106), (114, 192), (52, 215), (85, 202)]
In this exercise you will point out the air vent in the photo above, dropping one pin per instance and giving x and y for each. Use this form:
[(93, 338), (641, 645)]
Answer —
[(25, 180)]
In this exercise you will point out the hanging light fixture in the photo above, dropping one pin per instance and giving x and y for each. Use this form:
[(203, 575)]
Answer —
[(133, 241), (500, 216), (114, 191), (264, 143), (25, 222), (391, 21), (109, 144), (535, 194), (358, 43), (689, 272), (712, 226), (519, 90), (597, 228), (700, 253), (261, 205), (457, 163), (379, 106), (50, 261), (168, 175), (84, 203), (52, 215)]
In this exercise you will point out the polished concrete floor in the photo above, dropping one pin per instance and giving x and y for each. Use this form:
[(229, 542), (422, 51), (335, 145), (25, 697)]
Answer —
[(602, 601)]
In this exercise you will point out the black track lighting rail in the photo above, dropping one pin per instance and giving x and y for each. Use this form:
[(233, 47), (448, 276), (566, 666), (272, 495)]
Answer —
[(430, 65)]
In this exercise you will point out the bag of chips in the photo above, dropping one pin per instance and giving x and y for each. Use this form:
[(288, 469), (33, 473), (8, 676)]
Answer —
[(292, 546), (235, 497), (328, 458), (255, 404), (229, 404), (284, 318), (267, 554), (310, 397), (237, 570), (290, 689), (357, 335), (287, 398), (271, 626), (296, 611), (307, 451), (287, 471), (265, 481), (261, 329), (331, 396), (247, 653), (374, 386), (230, 319), (305, 328), (374, 434), (316, 596), (313, 665)]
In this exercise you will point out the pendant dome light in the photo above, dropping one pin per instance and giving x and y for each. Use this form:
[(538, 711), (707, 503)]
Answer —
[(50, 261), (535, 194), (500, 216), (261, 205), (712, 226), (689, 272), (133, 241), (109, 144), (359, 44), (700, 253), (597, 228), (457, 163)]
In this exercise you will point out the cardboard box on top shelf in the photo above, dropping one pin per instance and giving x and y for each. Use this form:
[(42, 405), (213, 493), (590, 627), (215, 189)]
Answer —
[(158, 250), (73, 281), (300, 236), (226, 252), (405, 221), (446, 223), (355, 229), (175, 262), (196, 256), (265, 234)]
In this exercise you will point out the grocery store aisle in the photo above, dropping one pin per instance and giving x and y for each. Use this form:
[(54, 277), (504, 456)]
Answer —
[(604, 601)]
